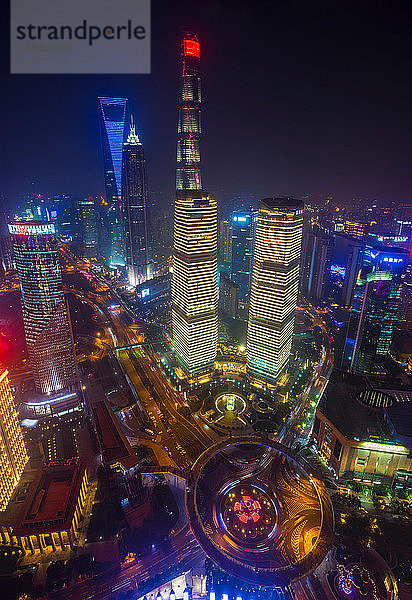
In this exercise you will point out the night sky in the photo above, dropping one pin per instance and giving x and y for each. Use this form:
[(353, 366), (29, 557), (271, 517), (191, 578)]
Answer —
[(299, 98)]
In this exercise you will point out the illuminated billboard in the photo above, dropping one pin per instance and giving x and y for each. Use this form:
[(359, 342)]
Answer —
[(27, 229)]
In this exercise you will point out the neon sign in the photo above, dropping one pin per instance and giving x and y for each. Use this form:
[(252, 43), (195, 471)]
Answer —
[(338, 270), (145, 292), (26, 229), (375, 447), (392, 260), (240, 219)]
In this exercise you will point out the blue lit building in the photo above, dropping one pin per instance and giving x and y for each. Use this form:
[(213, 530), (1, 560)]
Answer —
[(243, 232), (374, 309), (112, 112)]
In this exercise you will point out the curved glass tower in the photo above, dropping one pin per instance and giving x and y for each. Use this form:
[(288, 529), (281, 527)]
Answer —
[(112, 128), (194, 282), (188, 176)]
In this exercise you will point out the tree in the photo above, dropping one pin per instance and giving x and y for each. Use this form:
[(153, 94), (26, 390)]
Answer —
[(355, 486)]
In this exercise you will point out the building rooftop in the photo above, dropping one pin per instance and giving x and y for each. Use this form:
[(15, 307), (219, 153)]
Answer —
[(341, 405), (18, 502), (53, 500), (285, 202), (399, 418), (113, 442), (45, 499)]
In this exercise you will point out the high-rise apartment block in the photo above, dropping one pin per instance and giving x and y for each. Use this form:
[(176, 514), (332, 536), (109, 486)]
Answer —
[(225, 244), (88, 226), (317, 253), (228, 296), (275, 283)]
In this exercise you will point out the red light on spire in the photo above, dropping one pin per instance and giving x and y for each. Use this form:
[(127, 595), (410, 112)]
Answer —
[(191, 48)]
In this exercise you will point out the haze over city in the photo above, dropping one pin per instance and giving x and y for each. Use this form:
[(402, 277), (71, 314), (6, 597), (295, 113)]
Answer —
[(206, 303)]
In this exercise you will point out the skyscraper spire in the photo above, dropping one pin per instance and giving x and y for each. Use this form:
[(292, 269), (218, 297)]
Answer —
[(194, 282), (133, 138), (135, 210), (188, 175)]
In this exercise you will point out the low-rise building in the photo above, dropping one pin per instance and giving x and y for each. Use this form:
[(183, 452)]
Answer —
[(47, 507), (353, 434)]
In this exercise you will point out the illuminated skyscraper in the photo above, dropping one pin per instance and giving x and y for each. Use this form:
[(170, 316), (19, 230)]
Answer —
[(112, 128), (45, 315), (243, 232), (375, 309), (88, 226), (275, 282), (194, 282), (355, 229), (13, 455), (224, 245), (317, 255), (188, 176), (228, 296), (135, 210)]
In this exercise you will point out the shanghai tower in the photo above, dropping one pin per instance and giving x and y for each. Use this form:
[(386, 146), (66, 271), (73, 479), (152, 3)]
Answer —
[(188, 176), (194, 282)]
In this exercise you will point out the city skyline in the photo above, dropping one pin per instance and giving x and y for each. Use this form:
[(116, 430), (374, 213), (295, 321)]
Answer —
[(216, 404), (331, 109)]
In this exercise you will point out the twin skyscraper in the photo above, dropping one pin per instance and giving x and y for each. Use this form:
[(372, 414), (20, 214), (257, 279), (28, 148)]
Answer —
[(275, 277)]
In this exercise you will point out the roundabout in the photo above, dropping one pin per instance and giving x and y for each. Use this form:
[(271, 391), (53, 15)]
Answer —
[(257, 513)]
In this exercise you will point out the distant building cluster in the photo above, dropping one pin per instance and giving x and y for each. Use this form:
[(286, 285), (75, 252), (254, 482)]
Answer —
[(289, 273)]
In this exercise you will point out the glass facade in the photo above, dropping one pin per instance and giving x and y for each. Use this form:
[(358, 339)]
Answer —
[(194, 282), (45, 315), (112, 128), (243, 231), (375, 308), (275, 283), (188, 175), (316, 267), (135, 214), (89, 226), (13, 455)]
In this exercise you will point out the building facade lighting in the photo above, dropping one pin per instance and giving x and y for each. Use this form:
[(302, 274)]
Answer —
[(275, 283), (13, 455), (46, 319)]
